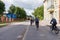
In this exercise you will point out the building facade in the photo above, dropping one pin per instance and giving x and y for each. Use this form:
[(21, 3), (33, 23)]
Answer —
[(51, 10)]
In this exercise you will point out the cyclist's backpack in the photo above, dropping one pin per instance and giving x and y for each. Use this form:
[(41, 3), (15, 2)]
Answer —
[(53, 21), (37, 20)]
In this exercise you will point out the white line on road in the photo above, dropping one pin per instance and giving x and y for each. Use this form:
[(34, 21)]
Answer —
[(25, 33), (20, 36)]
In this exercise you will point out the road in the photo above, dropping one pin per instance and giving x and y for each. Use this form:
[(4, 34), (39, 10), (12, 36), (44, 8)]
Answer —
[(12, 31), (43, 33)]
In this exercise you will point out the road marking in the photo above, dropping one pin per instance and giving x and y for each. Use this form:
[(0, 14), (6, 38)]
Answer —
[(20, 36), (26, 33)]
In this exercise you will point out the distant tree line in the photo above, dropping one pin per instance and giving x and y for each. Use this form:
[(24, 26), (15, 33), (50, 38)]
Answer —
[(20, 12)]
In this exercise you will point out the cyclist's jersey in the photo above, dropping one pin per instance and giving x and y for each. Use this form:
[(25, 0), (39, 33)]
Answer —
[(53, 21), (37, 20)]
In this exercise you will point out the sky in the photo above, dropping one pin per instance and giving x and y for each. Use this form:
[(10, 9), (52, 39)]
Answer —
[(28, 5)]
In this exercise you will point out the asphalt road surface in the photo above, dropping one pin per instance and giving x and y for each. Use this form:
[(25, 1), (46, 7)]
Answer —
[(43, 33), (12, 31)]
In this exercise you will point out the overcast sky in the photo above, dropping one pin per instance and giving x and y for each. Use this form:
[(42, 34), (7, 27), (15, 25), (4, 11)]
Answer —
[(28, 5)]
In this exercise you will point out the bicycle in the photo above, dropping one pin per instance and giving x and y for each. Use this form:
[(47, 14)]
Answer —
[(56, 30), (37, 26)]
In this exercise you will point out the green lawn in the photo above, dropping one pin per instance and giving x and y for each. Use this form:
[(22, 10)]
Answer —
[(2, 24)]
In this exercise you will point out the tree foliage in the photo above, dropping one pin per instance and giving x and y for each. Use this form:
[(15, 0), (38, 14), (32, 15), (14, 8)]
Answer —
[(39, 12), (20, 12), (12, 9), (2, 7)]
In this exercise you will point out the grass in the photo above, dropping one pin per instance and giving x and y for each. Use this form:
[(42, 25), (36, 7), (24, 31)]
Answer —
[(2, 24)]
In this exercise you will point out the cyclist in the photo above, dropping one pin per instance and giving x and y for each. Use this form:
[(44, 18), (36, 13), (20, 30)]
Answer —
[(37, 23), (31, 21), (54, 23)]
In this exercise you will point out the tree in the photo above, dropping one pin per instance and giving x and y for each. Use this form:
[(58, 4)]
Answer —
[(39, 12), (12, 9), (20, 12), (2, 7)]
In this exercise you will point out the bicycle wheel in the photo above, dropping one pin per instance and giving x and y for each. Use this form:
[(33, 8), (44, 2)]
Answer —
[(56, 31), (37, 26)]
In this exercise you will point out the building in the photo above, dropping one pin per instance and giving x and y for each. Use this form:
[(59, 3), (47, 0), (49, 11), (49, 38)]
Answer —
[(51, 9)]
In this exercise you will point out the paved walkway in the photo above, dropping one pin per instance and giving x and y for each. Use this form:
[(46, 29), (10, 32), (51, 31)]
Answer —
[(43, 34)]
